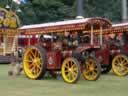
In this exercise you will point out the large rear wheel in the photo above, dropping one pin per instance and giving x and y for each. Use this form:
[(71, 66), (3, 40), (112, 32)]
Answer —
[(91, 70), (70, 70), (34, 62), (120, 65)]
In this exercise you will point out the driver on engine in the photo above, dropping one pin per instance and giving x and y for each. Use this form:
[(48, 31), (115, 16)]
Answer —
[(70, 39)]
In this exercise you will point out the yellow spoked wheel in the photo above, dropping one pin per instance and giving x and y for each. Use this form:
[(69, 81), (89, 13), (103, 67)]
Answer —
[(34, 62), (91, 70), (70, 70), (120, 65)]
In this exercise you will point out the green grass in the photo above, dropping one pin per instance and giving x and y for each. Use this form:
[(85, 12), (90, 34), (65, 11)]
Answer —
[(107, 85)]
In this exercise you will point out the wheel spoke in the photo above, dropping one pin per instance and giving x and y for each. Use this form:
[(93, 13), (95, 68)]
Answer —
[(75, 75), (30, 65), (31, 57), (36, 53), (66, 71), (118, 61), (69, 76), (94, 73), (89, 73), (28, 61), (123, 61), (116, 64), (33, 69), (75, 69), (32, 53), (37, 70), (39, 55), (38, 66), (121, 70), (39, 61), (73, 66), (86, 71)]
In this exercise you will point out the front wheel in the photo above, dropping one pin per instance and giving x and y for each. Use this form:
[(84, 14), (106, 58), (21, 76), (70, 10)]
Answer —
[(120, 65), (91, 70), (70, 70)]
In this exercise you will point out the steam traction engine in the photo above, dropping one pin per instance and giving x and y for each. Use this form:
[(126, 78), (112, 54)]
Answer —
[(65, 46), (120, 60), (114, 51)]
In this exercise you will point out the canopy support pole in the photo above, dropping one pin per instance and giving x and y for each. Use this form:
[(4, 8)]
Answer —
[(101, 35), (91, 34)]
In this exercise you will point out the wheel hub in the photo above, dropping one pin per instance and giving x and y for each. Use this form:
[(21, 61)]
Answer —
[(91, 68), (70, 70), (35, 60)]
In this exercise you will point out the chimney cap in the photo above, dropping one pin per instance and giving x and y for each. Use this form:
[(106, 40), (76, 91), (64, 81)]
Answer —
[(79, 17)]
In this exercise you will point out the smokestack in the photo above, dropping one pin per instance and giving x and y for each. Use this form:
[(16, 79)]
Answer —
[(79, 8), (124, 10)]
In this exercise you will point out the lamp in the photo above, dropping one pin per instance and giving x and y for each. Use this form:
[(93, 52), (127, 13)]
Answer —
[(19, 10), (7, 6)]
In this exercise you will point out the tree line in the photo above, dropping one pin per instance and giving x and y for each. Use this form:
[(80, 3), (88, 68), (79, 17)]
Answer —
[(40, 11)]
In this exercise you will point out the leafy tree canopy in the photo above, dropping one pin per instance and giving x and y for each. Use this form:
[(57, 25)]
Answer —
[(39, 11)]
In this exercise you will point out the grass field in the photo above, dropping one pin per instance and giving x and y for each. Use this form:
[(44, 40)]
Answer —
[(107, 85)]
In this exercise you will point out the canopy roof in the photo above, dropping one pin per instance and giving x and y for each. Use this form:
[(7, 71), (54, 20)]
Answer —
[(119, 28), (120, 25), (69, 25), (116, 28)]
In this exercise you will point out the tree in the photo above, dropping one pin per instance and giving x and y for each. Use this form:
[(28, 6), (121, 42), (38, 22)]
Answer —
[(45, 11), (39, 11)]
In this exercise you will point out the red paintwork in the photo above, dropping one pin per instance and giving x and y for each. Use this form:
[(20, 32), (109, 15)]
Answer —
[(53, 60), (25, 41), (126, 49), (83, 47), (103, 55)]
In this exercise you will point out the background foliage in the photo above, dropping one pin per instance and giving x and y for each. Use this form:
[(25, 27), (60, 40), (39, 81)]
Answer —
[(39, 11)]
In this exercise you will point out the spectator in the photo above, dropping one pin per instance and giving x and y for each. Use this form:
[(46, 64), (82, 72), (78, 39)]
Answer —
[(15, 66)]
